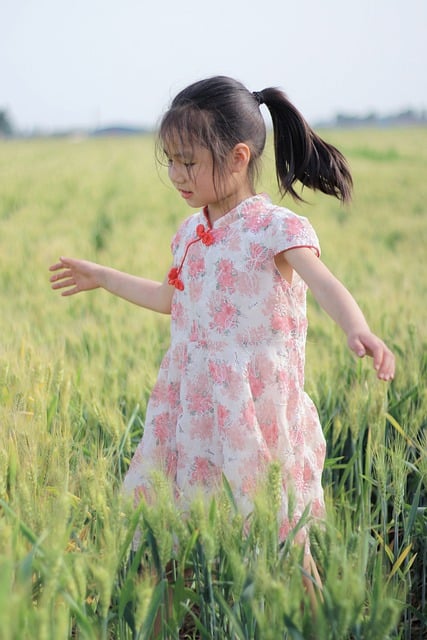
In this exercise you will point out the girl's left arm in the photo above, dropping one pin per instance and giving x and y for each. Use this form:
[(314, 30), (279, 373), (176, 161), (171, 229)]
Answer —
[(338, 302)]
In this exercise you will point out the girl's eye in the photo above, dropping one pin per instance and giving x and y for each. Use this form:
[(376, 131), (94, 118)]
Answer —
[(171, 162)]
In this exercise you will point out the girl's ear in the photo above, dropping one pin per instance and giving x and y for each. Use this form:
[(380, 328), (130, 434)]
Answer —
[(240, 157)]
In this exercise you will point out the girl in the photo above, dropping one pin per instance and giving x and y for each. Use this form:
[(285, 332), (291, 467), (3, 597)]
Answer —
[(229, 398)]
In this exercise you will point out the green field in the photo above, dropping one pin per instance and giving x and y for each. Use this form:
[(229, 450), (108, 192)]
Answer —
[(75, 375)]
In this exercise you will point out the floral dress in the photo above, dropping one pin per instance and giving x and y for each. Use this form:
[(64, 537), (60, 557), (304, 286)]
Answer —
[(229, 398)]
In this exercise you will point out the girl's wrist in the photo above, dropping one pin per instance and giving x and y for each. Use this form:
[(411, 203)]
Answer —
[(102, 276), (355, 331)]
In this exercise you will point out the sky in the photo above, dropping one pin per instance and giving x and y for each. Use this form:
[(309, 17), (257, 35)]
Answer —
[(94, 63)]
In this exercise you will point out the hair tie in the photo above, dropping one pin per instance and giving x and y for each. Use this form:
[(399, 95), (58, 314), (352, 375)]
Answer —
[(258, 97)]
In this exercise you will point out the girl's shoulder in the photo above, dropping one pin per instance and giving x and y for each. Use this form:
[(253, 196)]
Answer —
[(186, 230), (190, 221), (279, 226), (262, 212)]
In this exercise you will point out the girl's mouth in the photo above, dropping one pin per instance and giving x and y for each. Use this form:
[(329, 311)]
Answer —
[(185, 194)]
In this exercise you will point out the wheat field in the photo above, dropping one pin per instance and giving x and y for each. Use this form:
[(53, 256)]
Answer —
[(76, 373)]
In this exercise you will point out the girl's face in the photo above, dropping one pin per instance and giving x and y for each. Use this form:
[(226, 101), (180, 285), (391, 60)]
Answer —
[(191, 172)]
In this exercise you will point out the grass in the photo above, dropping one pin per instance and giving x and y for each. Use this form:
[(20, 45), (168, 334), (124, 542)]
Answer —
[(75, 376)]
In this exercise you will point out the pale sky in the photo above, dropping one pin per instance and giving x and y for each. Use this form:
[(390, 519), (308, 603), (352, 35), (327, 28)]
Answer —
[(86, 63)]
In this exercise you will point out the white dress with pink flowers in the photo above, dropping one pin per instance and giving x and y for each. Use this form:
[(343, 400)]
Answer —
[(229, 398)]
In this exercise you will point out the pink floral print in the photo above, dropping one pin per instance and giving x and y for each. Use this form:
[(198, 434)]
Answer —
[(229, 398)]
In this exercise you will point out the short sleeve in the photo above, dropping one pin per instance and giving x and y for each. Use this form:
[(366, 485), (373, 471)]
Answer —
[(183, 235), (290, 231), (175, 242)]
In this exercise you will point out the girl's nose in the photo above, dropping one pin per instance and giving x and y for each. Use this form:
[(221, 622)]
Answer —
[(176, 174)]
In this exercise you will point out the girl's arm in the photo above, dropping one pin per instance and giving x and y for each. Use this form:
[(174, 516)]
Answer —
[(80, 275), (337, 301)]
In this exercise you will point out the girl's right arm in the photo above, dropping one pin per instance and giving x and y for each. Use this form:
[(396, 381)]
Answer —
[(80, 275)]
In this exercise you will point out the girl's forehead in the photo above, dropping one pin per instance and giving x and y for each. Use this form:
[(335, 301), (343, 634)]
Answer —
[(175, 139), (177, 150), (176, 145)]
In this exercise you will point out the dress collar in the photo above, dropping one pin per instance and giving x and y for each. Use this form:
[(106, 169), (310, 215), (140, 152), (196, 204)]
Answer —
[(239, 211)]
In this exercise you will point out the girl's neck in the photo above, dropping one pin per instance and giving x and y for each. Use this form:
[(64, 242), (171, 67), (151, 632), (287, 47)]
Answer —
[(219, 209)]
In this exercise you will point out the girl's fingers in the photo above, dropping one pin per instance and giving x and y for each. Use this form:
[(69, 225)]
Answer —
[(70, 292), (56, 266), (388, 369), (61, 284), (357, 347), (66, 273), (63, 263), (383, 359), (384, 364)]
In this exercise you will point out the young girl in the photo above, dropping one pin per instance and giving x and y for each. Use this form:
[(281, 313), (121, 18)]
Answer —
[(229, 398)]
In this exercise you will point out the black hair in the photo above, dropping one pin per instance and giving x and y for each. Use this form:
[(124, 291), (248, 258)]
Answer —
[(220, 112)]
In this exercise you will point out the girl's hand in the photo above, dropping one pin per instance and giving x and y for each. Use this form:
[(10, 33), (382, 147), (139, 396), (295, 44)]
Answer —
[(75, 276), (366, 343)]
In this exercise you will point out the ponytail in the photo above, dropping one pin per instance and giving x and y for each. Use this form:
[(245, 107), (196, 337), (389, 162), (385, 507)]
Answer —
[(220, 112), (301, 154)]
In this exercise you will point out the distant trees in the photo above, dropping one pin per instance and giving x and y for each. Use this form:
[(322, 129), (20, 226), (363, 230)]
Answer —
[(403, 118), (6, 128)]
